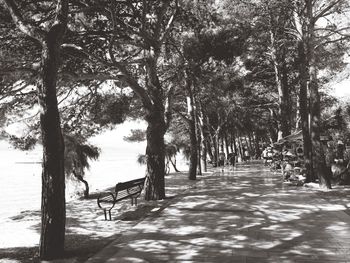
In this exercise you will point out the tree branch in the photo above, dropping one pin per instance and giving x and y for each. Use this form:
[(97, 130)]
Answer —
[(21, 24), (326, 9)]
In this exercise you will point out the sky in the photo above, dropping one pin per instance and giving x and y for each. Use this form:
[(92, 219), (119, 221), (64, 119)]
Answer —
[(341, 82), (342, 89)]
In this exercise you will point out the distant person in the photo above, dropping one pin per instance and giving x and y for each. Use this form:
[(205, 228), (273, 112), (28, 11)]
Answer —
[(222, 158), (265, 156), (246, 155), (231, 158)]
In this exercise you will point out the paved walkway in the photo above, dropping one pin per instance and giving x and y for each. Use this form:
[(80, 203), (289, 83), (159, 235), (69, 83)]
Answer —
[(245, 215)]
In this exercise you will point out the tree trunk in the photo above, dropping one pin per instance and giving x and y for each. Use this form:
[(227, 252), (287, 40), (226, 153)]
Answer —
[(256, 145), (216, 150), (191, 123), (318, 158), (173, 163), (304, 112), (231, 142), (247, 145), (156, 128), (234, 143), (53, 203), (251, 146), (86, 184), (282, 87), (241, 151), (272, 129), (222, 142), (286, 112), (155, 152), (193, 150), (204, 155), (199, 148), (203, 148), (226, 144), (209, 143)]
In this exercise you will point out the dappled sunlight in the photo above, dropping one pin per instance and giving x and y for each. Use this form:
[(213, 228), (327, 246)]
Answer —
[(156, 246), (242, 217), (331, 207), (338, 226), (239, 217), (266, 245), (250, 194)]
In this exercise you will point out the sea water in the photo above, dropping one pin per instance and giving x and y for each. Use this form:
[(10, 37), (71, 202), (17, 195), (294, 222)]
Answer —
[(20, 171)]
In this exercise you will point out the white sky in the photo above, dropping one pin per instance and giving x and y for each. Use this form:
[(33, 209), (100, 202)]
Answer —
[(342, 89)]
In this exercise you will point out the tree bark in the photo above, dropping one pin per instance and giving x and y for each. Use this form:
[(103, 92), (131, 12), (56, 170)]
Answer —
[(156, 128), (234, 143), (191, 122), (155, 152), (53, 203), (272, 130), (226, 143), (209, 143), (318, 158), (283, 91), (240, 145), (193, 150), (173, 163), (199, 148), (304, 112), (203, 148), (214, 140), (86, 184), (221, 139)]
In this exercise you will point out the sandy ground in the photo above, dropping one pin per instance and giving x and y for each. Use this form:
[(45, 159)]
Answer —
[(86, 231)]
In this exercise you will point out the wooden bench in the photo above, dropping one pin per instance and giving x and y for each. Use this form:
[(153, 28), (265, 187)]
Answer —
[(130, 189)]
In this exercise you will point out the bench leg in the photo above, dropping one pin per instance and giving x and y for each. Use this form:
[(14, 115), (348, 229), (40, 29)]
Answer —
[(109, 214), (133, 200), (105, 212)]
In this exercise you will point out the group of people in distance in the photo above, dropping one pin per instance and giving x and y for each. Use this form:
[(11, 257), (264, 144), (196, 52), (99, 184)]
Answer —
[(231, 158), (267, 155)]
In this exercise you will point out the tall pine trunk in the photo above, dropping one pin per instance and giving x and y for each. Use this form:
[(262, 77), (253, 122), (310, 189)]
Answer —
[(191, 124), (193, 150), (155, 152), (156, 128), (282, 88), (199, 148), (210, 147), (203, 141), (318, 158), (53, 203), (226, 143), (303, 110)]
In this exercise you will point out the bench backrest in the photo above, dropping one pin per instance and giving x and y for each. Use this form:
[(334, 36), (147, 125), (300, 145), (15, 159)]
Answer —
[(130, 184)]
